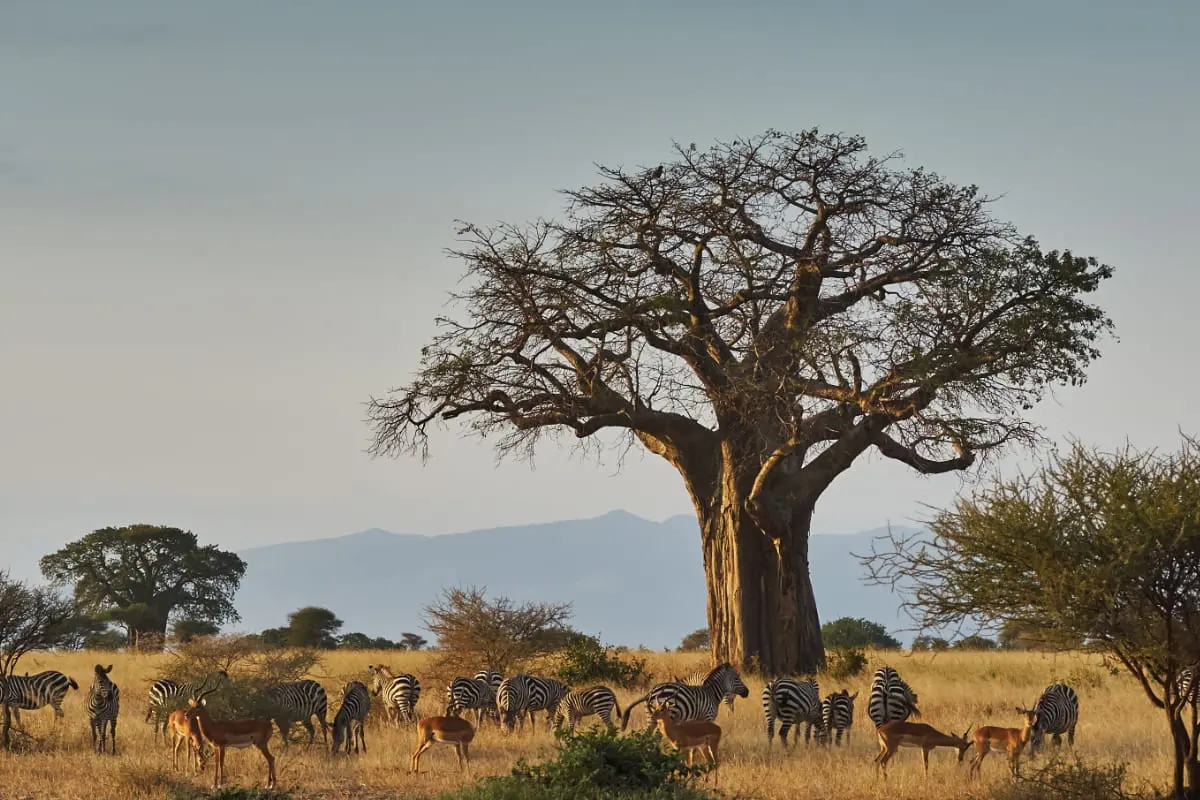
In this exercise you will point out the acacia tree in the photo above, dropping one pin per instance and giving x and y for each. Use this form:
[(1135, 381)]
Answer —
[(31, 618), (1095, 550), (759, 315), (493, 634), (139, 575)]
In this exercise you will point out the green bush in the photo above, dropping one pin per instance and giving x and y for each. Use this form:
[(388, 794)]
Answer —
[(847, 632), (595, 766), (583, 660), (844, 663)]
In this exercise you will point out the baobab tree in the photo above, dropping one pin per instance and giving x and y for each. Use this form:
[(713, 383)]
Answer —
[(760, 315)]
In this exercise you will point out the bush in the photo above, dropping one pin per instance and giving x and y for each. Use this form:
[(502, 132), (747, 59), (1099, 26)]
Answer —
[(584, 660), (845, 663), (849, 632), (1066, 780), (974, 642), (595, 766), (928, 643)]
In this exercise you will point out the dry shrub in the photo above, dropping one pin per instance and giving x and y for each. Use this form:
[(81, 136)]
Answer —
[(1068, 780)]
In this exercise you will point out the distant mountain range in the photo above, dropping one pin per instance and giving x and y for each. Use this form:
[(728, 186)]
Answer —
[(611, 568)]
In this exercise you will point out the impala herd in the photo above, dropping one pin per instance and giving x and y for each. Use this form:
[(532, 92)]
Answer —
[(682, 712)]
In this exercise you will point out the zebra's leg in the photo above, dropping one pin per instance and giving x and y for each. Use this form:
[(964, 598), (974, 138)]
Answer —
[(808, 732), (92, 725), (784, 728), (308, 726), (112, 731), (1071, 737)]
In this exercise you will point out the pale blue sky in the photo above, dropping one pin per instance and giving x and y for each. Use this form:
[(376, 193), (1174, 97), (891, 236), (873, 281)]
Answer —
[(222, 223)]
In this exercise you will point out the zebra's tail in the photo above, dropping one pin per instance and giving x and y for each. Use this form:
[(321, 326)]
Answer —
[(629, 708), (71, 682)]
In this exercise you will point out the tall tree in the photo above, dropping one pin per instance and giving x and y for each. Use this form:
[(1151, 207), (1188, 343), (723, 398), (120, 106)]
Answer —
[(1096, 550), (140, 575), (31, 618), (759, 315), (312, 626)]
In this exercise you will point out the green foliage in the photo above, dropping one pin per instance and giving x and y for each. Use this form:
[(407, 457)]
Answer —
[(925, 643), (699, 639), (584, 660), (974, 642), (312, 626), (845, 663), (595, 766), (186, 629), (140, 575), (85, 632), (848, 632)]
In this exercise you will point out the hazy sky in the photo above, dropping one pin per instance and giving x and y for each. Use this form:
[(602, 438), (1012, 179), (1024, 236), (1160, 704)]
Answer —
[(222, 224)]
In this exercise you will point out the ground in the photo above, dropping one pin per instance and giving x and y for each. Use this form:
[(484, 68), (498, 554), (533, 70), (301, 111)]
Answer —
[(956, 690)]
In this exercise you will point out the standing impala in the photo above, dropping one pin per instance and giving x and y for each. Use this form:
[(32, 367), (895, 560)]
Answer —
[(233, 733), (894, 735), (1011, 740), (186, 730), (689, 736), (454, 731)]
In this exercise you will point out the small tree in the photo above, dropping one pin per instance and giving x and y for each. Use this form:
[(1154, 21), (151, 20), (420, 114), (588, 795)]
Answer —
[(1094, 547), (496, 634), (412, 641), (698, 639), (187, 629), (974, 642), (848, 632), (30, 619), (313, 626), (935, 643)]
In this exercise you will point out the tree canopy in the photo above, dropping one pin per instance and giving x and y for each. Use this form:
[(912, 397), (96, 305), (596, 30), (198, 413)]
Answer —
[(851, 632), (494, 634), (31, 618), (141, 575)]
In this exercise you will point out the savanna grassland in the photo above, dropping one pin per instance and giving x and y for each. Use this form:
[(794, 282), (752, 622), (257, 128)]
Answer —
[(956, 689)]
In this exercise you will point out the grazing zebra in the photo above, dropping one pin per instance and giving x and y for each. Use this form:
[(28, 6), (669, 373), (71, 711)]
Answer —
[(31, 692), (471, 693), (598, 700), (512, 701), (400, 693), (1057, 713), (688, 702), (544, 695), (697, 678), (837, 714), (793, 703), (891, 698), (491, 678), (300, 701), (103, 705), (348, 723), (165, 693)]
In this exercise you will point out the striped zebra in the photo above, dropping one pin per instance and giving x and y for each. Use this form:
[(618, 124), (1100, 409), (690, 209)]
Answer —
[(697, 678), (300, 701), (792, 702), (166, 695), (545, 694), (400, 693), (31, 692), (598, 700), (103, 706), (348, 723), (1185, 686), (464, 694), (837, 714), (512, 701), (891, 700), (688, 702), (1057, 711), (491, 678)]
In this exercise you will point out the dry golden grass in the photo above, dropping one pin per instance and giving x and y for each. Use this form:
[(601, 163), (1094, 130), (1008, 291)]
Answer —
[(956, 690)]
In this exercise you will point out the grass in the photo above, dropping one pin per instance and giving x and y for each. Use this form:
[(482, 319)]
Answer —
[(956, 690)]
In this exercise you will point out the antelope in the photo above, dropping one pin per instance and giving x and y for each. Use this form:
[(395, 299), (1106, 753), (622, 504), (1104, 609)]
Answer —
[(184, 730), (444, 730), (896, 734), (1012, 740), (234, 733), (689, 736)]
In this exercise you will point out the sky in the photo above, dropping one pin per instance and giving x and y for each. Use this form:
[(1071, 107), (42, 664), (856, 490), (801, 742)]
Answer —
[(222, 226)]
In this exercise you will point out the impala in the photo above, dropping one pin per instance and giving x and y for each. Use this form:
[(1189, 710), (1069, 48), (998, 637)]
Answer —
[(689, 736), (233, 733), (454, 731), (894, 735), (1011, 740), (186, 731)]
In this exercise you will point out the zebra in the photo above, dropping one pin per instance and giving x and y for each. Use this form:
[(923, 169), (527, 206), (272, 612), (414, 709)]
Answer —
[(837, 714), (471, 693), (544, 695), (891, 700), (165, 692), (31, 692), (491, 678), (1185, 686), (348, 723), (1057, 711), (400, 693), (512, 701), (103, 706), (300, 701), (793, 702), (598, 700), (697, 678), (688, 702)]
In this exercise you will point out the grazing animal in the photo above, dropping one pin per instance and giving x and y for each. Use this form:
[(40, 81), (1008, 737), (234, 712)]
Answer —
[(185, 730), (837, 714), (1057, 711), (897, 733), (1011, 740), (31, 692), (576, 705), (400, 693), (232, 733), (348, 723), (164, 692), (697, 678), (544, 695), (792, 702), (688, 702), (454, 731), (512, 702), (891, 698), (471, 693), (690, 735), (103, 706), (300, 701), (491, 678)]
